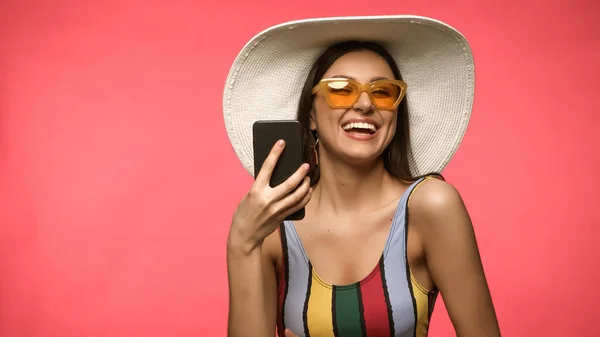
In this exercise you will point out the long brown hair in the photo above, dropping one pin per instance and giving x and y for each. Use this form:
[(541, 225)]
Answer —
[(397, 155)]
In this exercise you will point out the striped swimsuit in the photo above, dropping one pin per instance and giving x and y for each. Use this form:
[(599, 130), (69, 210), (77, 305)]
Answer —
[(387, 303)]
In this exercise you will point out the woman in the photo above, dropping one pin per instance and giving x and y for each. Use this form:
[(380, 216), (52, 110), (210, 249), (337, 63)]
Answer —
[(357, 264)]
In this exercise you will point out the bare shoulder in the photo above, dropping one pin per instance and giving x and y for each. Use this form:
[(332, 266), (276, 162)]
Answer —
[(437, 212), (439, 215), (434, 200)]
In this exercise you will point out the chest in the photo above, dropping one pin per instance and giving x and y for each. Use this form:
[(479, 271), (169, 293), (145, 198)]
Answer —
[(363, 310), (345, 250), (348, 276), (380, 304)]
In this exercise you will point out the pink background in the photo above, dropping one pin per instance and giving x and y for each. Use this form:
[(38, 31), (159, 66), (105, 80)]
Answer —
[(117, 180)]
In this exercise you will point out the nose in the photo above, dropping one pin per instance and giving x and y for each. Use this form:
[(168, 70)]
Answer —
[(363, 104)]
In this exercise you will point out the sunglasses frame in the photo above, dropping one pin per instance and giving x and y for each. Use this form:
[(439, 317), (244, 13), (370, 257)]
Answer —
[(362, 87)]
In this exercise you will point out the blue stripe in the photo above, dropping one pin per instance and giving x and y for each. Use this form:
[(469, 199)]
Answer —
[(298, 282)]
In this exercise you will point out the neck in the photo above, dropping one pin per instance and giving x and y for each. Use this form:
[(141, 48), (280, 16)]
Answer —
[(345, 189)]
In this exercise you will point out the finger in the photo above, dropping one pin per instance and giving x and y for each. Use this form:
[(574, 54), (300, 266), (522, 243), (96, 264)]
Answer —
[(294, 208), (295, 200), (264, 175), (291, 182)]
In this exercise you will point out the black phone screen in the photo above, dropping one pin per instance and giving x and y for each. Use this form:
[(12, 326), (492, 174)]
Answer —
[(265, 135)]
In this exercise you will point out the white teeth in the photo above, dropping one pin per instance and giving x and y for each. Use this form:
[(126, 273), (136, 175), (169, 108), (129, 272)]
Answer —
[(366, 126)]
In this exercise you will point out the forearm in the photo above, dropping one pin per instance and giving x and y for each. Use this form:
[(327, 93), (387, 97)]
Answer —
[(248, 294)]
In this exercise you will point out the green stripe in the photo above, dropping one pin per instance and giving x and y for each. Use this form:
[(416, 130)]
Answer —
[(347, 312)]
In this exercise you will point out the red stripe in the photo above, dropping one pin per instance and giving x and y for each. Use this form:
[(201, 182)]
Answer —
[(281, 295), (375, 309)]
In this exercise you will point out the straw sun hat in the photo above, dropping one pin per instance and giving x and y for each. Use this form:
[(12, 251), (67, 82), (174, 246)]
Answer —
[(435, 60)]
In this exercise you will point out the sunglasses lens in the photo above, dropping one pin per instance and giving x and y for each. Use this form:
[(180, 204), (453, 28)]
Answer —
[(385, 95), (341, 93)]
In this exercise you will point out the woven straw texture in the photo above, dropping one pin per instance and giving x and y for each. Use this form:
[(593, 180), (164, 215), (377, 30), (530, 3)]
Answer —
[(435, 60)]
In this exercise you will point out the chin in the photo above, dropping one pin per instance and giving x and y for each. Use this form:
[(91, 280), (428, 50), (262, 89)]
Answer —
[(360, 157)]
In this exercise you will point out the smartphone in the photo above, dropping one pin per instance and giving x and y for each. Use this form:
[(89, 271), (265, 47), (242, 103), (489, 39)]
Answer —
[(264, 136)]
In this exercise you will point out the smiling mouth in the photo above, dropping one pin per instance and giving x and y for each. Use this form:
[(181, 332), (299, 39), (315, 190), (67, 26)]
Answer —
[(360, 128)]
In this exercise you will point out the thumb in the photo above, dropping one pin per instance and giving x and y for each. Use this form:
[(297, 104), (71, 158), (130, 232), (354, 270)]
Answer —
[(289, 333)]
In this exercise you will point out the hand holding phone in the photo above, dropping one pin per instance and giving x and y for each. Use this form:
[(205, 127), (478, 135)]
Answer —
[(265, 135), (276, 194)]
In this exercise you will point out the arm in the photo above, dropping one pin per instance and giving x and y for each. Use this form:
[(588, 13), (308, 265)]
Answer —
[(250, 268), (453, 260), (252, 291)]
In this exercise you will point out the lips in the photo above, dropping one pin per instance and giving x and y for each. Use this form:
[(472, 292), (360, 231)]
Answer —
[(361, 129), (360, 126)]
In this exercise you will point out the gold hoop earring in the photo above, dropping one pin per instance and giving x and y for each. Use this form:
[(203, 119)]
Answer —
[(316, 153)]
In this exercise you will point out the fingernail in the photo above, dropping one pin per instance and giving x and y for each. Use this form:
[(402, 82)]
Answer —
[(305, 166), (280, 143)]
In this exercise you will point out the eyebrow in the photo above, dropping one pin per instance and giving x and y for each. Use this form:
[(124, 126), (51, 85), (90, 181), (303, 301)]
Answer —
[(352, 78)]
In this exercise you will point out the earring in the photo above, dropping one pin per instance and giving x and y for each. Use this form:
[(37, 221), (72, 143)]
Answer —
[(316, 153)]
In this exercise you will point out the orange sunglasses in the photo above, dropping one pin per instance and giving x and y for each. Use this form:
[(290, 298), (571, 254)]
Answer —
[(344, 93)]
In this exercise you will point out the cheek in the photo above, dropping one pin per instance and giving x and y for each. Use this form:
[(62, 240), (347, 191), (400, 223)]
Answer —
[(391, 119), (391, 122), (324, 116), (320, 106), (393, 126)]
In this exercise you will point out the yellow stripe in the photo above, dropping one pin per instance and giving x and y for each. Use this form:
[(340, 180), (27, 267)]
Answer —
[(319, 314), (421, 294), (422, 300)]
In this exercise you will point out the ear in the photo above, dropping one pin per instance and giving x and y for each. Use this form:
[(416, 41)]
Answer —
[(313, 120)]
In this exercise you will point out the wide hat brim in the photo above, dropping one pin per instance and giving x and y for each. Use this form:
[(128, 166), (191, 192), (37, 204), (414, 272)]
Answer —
[(435, 60)]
